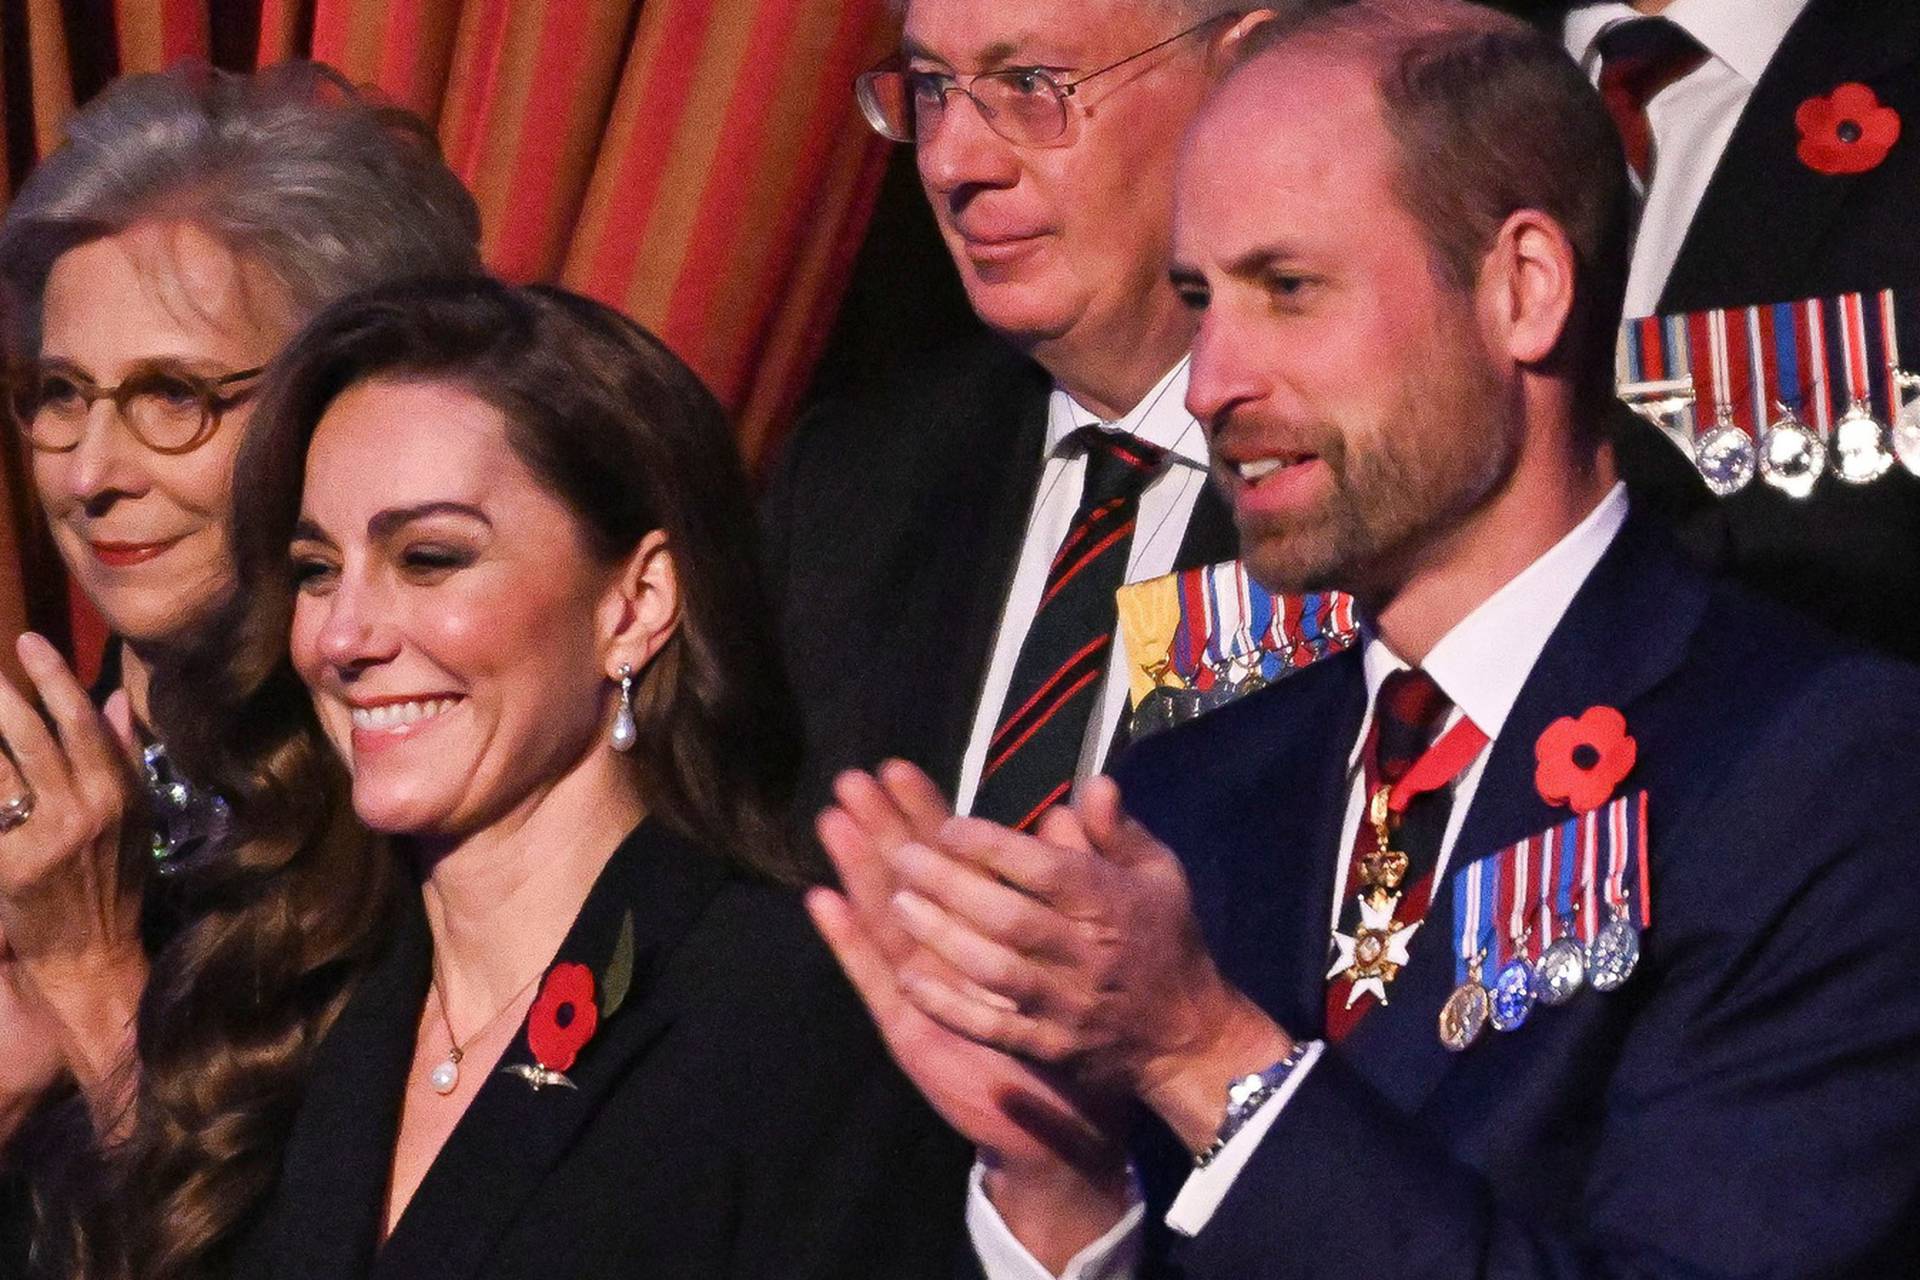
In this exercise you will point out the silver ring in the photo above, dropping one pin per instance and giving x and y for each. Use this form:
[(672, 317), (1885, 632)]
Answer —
[(16, 811)]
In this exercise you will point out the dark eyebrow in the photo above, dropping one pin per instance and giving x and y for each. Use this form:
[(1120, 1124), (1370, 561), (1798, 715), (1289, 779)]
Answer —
[(384, 523), (1257, 261), (1186, 277)]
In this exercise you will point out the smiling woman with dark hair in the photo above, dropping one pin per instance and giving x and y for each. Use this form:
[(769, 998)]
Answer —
[(502, 972), (152, 266)]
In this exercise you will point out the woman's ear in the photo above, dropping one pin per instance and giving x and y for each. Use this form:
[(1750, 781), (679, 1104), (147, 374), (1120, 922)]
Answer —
[(642, 607)]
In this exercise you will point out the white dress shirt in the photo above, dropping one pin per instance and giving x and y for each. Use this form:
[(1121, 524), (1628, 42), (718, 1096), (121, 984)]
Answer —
[(1481, 665), (1692, 118), (1166, 504)]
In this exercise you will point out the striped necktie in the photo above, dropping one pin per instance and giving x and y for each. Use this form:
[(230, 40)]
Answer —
[(1639, 58), (1058, 677)]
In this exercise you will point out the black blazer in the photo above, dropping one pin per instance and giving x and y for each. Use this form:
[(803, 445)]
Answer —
[(1770, 229), (1747, 1104), (893, 527), (736, 1117)]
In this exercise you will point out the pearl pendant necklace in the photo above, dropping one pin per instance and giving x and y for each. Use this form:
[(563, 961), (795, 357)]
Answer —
[(445, 1076)]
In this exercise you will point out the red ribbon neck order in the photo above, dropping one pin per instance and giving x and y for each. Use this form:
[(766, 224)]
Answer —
[(1439, 765)]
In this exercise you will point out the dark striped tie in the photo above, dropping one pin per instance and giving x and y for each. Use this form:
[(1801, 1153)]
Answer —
[(1639, 58), (1058, 678)]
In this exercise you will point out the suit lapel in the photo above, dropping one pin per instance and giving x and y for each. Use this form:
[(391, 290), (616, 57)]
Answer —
[(511, 1135), (1001, 462), (333, 1185), (1764, 207), (1591, 660)]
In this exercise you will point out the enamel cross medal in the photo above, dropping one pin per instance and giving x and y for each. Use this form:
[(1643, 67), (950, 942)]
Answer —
[(1371, 957)]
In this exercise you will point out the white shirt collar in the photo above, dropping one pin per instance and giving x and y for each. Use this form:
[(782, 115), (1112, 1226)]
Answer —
[(1482, 663), (1743, 35), (1160, 418)]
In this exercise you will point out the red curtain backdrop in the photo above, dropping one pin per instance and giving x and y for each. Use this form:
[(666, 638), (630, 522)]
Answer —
[(698, 163)]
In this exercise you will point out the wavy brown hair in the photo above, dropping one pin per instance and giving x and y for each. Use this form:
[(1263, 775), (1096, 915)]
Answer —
[(281, 925)]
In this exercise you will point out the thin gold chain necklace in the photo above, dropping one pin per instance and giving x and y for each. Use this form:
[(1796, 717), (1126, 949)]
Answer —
[(445, 1076)]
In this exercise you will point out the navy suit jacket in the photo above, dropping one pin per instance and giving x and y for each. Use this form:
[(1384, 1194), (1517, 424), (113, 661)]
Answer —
[(1747, 1104)]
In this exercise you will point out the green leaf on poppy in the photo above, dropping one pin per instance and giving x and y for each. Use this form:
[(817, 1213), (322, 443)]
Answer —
[(619, 974)]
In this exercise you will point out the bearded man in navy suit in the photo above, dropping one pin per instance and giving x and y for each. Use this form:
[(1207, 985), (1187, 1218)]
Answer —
[(1395, 226)]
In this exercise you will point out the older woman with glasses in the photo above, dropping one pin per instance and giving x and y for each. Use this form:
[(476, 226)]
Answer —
[(155, 264)]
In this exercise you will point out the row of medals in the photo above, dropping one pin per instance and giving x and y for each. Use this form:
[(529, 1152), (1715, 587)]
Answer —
[(1790, 454), (1566, 965), (1168, 705)]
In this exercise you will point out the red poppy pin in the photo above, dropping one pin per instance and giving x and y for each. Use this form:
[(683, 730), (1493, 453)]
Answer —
[(569, 1009), (1848, 131), (1580, 762)]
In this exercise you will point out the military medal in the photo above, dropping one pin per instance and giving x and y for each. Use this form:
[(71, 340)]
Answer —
[(1464, 1016), (1860, 444), (1900, 385), (1372, 956), (1513, 984), (1562, 969), (1724, 451), (1792, 454), (1614, 950), (1650, 367)]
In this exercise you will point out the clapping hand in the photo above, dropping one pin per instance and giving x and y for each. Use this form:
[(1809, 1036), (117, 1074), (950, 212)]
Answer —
[(1010, 1108), (1077, 947), (67, 908)]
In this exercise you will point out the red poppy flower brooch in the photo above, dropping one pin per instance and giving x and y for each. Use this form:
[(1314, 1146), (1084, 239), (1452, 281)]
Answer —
[(569, 1010), (1847, 131), (1580, 762)]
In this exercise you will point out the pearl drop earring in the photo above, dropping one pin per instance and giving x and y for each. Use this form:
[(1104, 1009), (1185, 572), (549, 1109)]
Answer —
[(625, 731)]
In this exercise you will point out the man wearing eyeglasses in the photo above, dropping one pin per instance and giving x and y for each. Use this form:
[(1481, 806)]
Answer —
[(945, 548)]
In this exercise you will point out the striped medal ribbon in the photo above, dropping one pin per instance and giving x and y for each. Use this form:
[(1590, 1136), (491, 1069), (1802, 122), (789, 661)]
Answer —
[(1861, 445), (1464, 1016), (1792, 454), (1906, 412), (1654, 381), (1724, 451)]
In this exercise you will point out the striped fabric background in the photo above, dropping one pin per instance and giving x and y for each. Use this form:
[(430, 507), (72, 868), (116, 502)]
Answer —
[(698, 163)]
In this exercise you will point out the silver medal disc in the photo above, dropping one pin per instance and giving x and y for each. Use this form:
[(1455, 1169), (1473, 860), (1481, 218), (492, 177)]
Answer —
[(1615, 952), (1561, 972), (1906, 436), (1464, 1016), (1860, 451), (1792, 456), (1725, 456), (1512, 995)]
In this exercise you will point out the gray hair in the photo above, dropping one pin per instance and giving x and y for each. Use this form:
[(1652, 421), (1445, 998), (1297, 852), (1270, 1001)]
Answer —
[(292, 169)]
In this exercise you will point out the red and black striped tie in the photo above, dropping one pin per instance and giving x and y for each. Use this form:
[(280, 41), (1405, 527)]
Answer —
[(1058, 678), (1639, 58)]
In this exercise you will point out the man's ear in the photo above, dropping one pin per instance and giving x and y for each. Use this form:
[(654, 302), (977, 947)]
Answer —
[(1527, 287), (641, 610), (1225, 46)]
